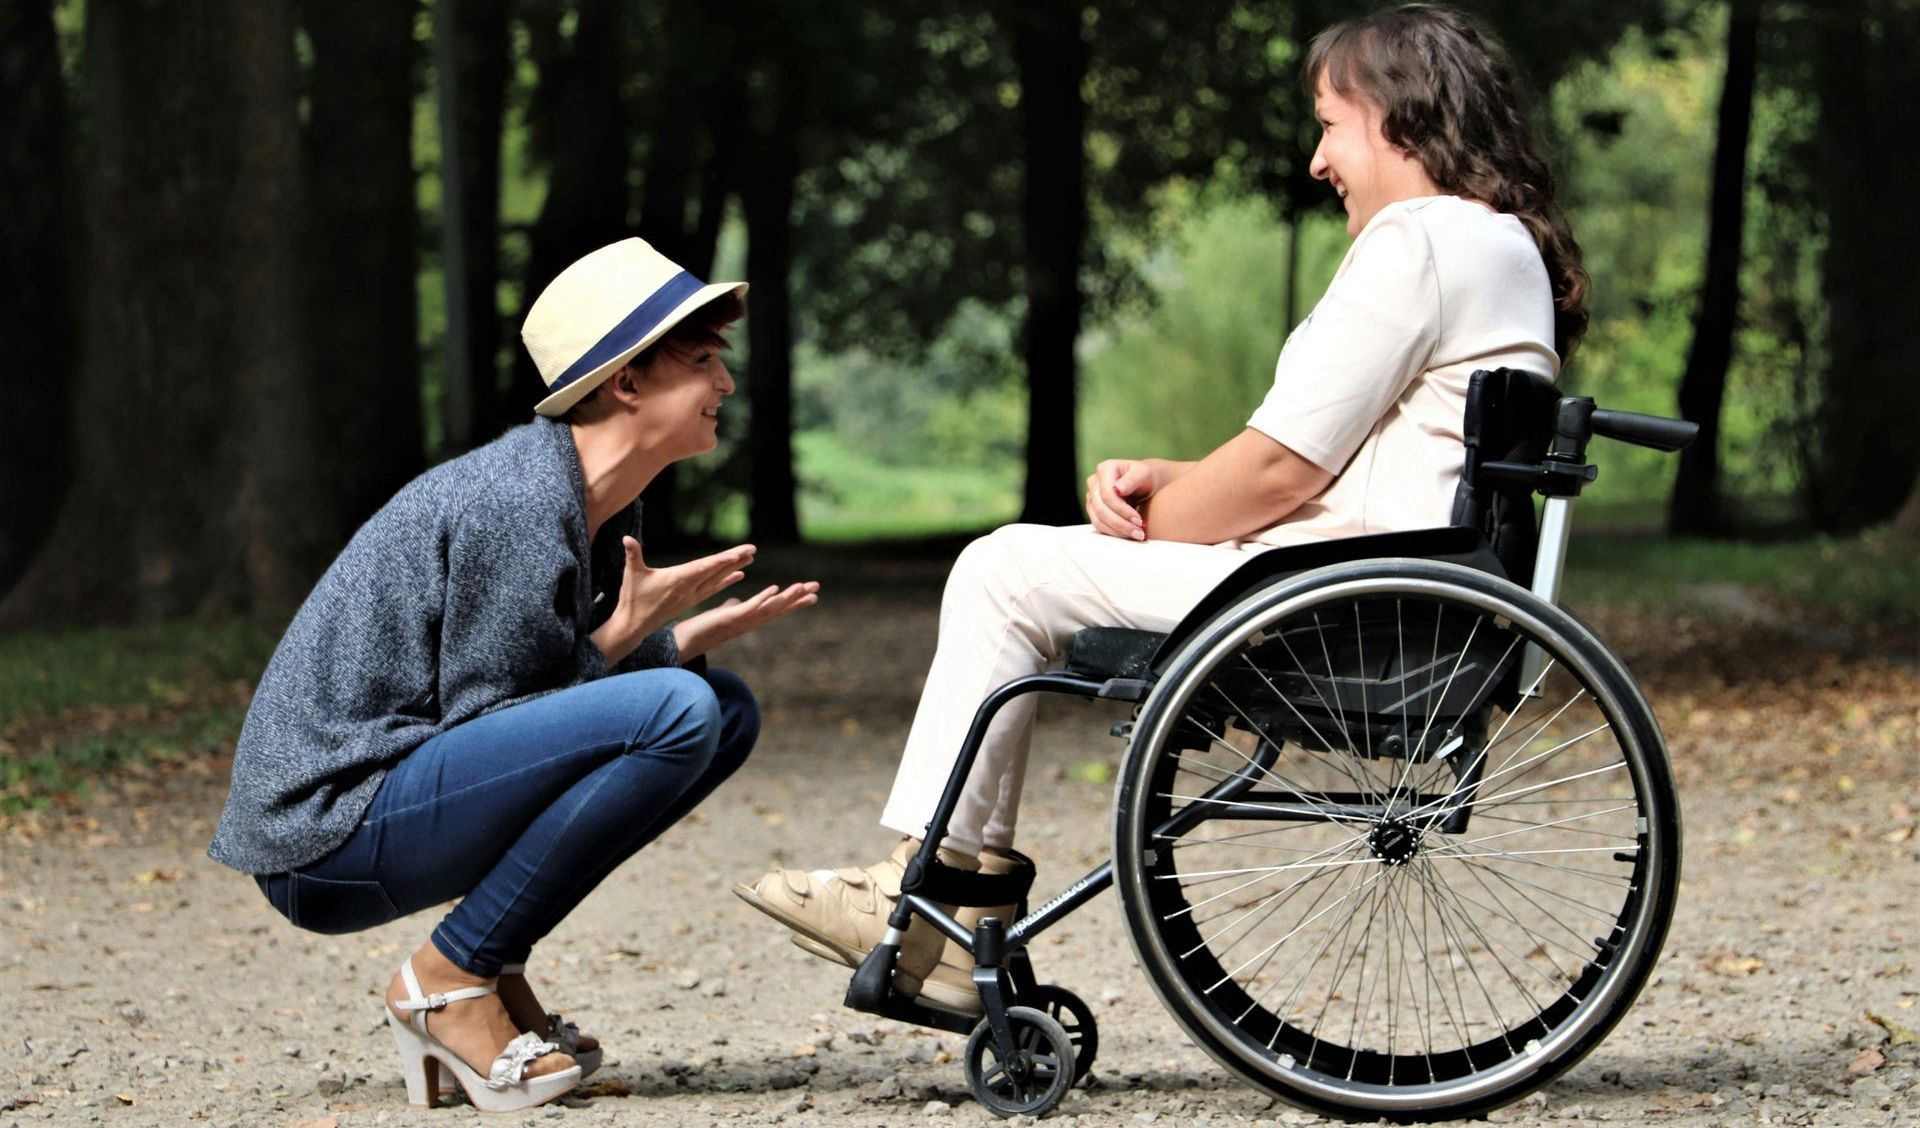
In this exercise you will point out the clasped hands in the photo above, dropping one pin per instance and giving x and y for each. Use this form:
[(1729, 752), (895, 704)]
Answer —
[(650, 598), (1117, 493)]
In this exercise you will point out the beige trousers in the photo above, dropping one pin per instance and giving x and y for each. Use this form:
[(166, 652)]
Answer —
[(1013, 602)]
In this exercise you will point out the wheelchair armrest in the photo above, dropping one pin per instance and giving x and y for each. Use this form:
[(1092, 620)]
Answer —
[(1113, 652)]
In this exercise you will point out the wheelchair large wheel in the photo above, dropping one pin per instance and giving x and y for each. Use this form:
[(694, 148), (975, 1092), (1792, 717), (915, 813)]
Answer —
[(1397, 839)]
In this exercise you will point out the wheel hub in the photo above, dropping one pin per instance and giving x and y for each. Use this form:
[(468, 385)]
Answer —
[(1394, 841)]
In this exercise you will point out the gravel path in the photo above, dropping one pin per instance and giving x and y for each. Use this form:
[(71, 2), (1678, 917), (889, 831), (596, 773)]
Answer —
[(143, 985)]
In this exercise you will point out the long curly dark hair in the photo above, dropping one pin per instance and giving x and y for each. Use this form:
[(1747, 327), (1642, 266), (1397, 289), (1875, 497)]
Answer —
[(1448, 94)]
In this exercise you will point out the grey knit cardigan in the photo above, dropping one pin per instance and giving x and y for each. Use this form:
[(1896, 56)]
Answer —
[(472, 590)]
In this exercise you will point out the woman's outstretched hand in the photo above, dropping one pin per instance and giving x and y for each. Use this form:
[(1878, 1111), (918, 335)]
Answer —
[(1116, 490), (735, 617), (650, 598)]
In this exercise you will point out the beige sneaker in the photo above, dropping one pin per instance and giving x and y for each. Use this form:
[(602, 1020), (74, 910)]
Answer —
[(950, 984), (841, 914)]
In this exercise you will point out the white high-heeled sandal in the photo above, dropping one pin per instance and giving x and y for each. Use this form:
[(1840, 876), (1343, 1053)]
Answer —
[(560, 1032), (506, 1088)]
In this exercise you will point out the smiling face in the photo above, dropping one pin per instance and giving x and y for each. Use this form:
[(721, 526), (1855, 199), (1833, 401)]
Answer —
[(680, 392), (1368, 171)]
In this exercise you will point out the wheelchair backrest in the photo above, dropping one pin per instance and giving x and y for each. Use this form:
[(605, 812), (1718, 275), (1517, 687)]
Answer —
[(1509, 418)]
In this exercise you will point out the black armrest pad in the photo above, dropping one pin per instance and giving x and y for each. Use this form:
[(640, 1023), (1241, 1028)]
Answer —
[(1113, 652)]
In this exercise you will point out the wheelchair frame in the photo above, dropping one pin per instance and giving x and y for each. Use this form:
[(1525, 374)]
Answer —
[(1522, 438)]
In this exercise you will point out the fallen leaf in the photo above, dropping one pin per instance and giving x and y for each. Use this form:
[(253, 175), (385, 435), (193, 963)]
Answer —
[(125, 1098), (1898, 1035), (1866, 1063), (151, 876), (1676, 1101), (1732, 963)]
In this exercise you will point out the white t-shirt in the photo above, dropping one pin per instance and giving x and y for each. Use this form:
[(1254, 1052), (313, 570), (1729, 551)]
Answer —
[(1372, 386)]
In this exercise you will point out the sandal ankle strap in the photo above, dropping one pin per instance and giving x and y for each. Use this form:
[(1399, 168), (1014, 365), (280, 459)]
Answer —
[(415, 1001), (439, 999)]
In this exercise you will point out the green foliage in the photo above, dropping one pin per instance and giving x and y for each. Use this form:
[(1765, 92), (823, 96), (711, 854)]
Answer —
[(1869, 584), (77, 703), (1180, 377), (952, 405), (1638, 129), (1637, 153), (890, 446), (44, 673), (907, 284), (850, 496)]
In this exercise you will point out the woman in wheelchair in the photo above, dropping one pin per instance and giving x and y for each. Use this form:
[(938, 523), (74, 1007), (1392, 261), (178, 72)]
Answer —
[(1460, 261)]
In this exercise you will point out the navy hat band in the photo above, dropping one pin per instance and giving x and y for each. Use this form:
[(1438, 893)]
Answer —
[(632, 329)]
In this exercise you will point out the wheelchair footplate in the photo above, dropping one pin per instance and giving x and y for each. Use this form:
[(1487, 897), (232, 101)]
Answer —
[(1032, 1041)]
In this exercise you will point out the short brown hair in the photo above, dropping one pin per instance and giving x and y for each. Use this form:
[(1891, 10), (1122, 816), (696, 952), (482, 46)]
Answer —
[(704, 328)]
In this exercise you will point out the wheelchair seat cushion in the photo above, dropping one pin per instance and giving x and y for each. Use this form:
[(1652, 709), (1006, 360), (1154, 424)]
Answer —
[(1113, 652)]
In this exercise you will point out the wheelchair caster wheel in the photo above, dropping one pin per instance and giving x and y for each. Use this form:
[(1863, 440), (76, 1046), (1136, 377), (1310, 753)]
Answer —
[(1034, 1078), (1076, 1018)]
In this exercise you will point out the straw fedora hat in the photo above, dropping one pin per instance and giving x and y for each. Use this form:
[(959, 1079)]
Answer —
[(603, 309)]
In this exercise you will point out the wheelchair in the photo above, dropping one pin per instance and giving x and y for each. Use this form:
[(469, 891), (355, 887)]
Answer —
[(1394, 836)]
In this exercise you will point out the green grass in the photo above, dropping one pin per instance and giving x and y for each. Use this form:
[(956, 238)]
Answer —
[(847, 496), (1869, 581), (76, 704)]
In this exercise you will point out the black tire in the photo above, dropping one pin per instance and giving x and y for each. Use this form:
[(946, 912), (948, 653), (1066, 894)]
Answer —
[(1372, 873), (1035, 1079), (1075, 1017)]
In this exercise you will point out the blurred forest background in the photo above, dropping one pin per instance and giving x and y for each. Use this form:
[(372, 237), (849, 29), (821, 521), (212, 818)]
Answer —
[(266, 259)]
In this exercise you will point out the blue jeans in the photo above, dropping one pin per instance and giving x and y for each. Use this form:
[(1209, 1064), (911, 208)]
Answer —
[(522, 812)]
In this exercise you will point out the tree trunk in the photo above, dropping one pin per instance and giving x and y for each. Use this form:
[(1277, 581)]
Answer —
[(669, 167), (1052, 59), (663, 223), (1869, 446), (1695, 506), (36, 319), (481, 57), (768, 199), (1906, 523), (587, 198), (726, 108), (362, 261), (723, 106), (194, 450)]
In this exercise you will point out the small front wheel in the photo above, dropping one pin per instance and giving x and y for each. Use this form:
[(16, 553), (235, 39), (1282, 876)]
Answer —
[(1030, 1081), (1076, 1018)]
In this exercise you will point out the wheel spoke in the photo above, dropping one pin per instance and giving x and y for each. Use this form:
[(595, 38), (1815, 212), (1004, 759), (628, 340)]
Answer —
[(1333, 913)]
